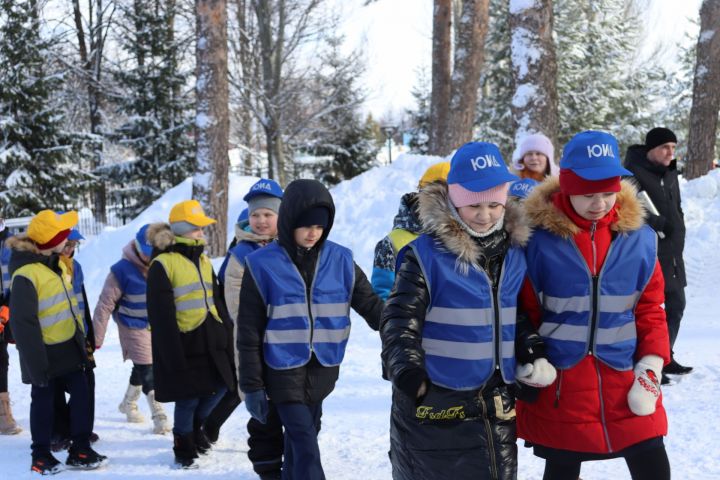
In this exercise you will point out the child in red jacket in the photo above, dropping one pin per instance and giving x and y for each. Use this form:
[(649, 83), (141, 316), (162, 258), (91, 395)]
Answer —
[(595, 293)]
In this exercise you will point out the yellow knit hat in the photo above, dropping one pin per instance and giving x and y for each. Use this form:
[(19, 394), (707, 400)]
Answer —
[(47, 224), (190, 211), (438, 171)]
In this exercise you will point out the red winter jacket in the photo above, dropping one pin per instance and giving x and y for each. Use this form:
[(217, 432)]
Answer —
[(586, 408)]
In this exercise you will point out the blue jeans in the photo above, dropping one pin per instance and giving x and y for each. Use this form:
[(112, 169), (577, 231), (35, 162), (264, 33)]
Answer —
[(302, 453), (193, 411)]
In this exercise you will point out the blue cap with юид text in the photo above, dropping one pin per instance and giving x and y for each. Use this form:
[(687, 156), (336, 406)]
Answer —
[(593, 155), (478, 166)]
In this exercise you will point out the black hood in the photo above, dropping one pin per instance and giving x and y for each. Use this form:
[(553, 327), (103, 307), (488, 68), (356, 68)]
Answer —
[(301, 195), (637, 155)]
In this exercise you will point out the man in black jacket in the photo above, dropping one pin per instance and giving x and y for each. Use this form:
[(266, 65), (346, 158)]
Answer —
[(655, 171)]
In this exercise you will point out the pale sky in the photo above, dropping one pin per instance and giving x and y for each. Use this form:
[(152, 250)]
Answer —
[(397, 34)]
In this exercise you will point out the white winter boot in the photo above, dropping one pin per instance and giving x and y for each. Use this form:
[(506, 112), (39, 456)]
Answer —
[(160, 420), (129, 404)]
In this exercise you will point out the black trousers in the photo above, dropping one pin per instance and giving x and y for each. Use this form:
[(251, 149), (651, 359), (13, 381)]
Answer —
[(4, 364), (61, 425), (142, 375), (674, 308), (42, 411), (266, 442), (650, 464)]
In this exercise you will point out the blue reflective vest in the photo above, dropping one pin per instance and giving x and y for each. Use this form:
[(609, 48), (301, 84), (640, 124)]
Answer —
[(132, 307), (4, 262), (298, 326), (77, 283), (585, 315), (239, 251), (467, 330)]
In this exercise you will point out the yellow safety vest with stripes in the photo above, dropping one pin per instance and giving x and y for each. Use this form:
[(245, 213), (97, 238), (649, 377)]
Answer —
[(58, 310), (192, 287)]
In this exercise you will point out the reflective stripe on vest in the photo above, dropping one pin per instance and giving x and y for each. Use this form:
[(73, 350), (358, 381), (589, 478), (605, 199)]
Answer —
[(132, 306), (57, 305), (289, 337), (563, 283), (192, 289), (460, 332), (400, 237)]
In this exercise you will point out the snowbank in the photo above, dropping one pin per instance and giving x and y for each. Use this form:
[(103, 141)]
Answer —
[(354, 438)]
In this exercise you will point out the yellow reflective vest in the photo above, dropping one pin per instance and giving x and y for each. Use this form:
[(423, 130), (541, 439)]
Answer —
[(400, 237), (58, 311), (192, 287)]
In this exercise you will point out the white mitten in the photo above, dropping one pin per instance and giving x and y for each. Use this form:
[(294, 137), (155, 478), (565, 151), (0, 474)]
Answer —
[(645, 390), (539, 374)]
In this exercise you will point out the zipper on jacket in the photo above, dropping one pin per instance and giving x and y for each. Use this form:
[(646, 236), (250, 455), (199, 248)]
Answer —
[(308, 292), (593, 227), (557, 389), (488, 431), (497, 327), (602, 407), (202, 283), (594, 290)]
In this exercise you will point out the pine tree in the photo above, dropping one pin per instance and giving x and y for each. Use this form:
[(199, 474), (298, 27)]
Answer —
[(342, 134), (36, 155), (420, 117), (599, 87), (151, 82), (494, 120)]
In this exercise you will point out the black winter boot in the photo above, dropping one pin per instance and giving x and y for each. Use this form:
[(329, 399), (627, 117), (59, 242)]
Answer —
[(202, 443), (211, 431), (85, 459), (185, 450), (46, 464)]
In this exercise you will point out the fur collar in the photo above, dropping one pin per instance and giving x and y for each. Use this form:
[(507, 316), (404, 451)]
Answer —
[(245, 236), (541, 211), (438, 220), (22, 243)]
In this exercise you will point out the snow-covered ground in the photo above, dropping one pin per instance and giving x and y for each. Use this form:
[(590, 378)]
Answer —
[(354, 437)]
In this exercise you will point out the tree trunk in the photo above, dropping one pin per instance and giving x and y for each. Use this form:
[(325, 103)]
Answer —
[(91, 64), (706, 93), (535, 100), (210, 182), (246, 74), (439, 143), (472, 26), (271, 66)]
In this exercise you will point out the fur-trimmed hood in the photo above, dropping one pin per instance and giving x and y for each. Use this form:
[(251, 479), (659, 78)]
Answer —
[(22, 243), (438, 219), (160, 236), (25, 251), (542, 212), (242, 235)]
